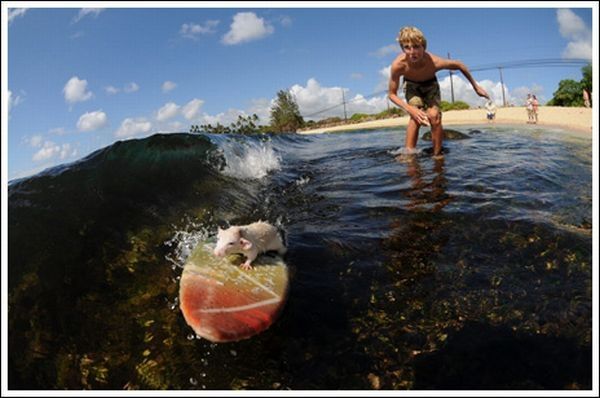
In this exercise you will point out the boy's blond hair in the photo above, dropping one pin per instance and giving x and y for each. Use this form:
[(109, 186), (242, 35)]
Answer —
[(411, 35)]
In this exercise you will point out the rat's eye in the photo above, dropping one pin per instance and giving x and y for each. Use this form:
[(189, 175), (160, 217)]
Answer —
[(231, 243)]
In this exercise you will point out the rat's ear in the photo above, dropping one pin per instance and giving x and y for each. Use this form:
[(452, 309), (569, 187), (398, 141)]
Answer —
[(246, 244)]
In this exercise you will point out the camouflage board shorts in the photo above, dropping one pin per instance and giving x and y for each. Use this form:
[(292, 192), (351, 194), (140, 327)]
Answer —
[(422, 94)]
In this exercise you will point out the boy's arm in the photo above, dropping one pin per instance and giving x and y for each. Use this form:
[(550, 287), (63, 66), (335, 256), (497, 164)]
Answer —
[(393, 86), (457, 65)]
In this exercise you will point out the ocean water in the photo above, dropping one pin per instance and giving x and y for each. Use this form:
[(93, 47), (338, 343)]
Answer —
[(472, 271)]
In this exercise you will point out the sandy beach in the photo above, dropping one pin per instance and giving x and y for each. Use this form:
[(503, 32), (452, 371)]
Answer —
[(573, 119)]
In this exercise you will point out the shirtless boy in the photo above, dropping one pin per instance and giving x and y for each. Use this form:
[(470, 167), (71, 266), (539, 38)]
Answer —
[(422, 89)]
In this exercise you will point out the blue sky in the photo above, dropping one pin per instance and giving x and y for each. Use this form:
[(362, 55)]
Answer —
[(82, 78)]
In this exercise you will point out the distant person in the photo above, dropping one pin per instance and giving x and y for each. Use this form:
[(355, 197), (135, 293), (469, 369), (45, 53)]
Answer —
[(529, 107), (586, 98), (490, 106), (422, 91), (535, 104)]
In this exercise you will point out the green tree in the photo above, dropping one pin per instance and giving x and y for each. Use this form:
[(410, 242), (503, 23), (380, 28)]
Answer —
[(390, 113), (457, 105), (285, 115), (586, 82), (243, 125), (568, 94)]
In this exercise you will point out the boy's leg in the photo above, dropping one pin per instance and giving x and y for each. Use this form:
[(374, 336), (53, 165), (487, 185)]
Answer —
[(412, 129), (412, 134), (437, 131)]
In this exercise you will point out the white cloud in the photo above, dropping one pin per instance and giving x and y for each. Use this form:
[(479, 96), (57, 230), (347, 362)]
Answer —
[(168, 86), (111, 90), (246, 26), (48, 151), (191, 110), (15, 13), (57, 131), (131, 88), (192, 30), (131, 127), (463, 91), (51, 150), (175, 126), (573, 28), (77, 35), (318, 102), (90, 121), (285, 21), (66, 151), (262, 108), (12, 101), (168, 111), (94, 12), (76, 90), (386, 50), (224, 118), (128, 88), (384, 78), (578, 49), (35, 141)]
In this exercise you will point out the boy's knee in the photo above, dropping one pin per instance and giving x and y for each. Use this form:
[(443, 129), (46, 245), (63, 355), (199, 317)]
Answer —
[(434, 115)]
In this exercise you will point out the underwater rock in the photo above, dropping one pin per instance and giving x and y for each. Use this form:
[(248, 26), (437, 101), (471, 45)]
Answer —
[(449, 134)]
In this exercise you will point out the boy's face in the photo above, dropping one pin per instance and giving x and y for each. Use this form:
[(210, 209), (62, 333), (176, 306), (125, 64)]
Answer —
[(414, 51)]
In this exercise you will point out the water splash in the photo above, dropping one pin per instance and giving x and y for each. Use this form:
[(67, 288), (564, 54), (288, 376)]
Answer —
[(249, 159), (406, 151), (184, 241)]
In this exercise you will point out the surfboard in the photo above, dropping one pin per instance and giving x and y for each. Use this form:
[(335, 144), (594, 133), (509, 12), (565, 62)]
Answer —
[(222, 302)]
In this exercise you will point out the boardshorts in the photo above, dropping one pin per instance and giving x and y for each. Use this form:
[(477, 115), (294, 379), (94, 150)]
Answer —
[(422, 94)]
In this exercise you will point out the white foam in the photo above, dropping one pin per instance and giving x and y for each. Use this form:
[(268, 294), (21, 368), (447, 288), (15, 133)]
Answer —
[(406, 151), (249, 160), (184, 242), (302, 181)]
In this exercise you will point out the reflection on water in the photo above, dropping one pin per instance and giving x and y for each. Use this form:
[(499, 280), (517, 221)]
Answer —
[(468, 271), (426, 195)]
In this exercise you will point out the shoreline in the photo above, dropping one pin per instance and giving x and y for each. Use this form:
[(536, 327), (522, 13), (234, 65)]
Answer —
[(576, 119)]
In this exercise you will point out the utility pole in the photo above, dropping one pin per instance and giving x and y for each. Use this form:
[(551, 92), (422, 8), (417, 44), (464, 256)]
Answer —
[(344, 101), (502, 83), (451, 83)]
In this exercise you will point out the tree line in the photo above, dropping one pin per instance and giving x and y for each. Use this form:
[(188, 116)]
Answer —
[(285, 118), (570, 92), (285, 115)]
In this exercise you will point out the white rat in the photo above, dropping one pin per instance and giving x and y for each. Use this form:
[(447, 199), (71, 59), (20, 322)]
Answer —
[(249, 240)]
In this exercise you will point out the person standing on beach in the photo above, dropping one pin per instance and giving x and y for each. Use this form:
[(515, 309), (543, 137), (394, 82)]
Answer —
[(491, 110), (422, 91), (535, 105), (586, 98), (529, 107)]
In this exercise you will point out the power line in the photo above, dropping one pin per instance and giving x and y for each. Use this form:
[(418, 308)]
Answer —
[(527, 63), (347, 102), (549, 62)]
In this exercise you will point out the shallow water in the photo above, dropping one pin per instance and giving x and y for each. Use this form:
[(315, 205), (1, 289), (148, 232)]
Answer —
[(468, 272)]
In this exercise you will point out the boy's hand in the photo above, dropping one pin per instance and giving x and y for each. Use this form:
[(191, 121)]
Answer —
[(419, 116), (481, 92)]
